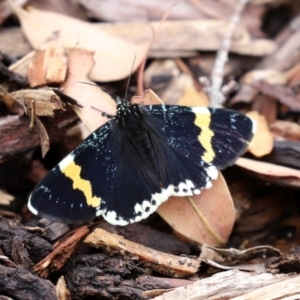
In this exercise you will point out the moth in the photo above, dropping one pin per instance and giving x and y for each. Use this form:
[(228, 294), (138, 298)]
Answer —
[(142, 156)]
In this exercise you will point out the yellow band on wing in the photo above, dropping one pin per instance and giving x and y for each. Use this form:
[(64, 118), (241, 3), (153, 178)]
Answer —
[(205, 136), (72, 171)]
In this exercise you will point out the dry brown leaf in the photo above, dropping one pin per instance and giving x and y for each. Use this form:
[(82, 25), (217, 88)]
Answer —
[(113, 56), (267, 168), (262, 142), (212, 225), (70, 8), (46, 102), (80, 63)]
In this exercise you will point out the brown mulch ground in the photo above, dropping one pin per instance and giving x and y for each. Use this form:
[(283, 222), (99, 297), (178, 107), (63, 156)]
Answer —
[(238, 239)]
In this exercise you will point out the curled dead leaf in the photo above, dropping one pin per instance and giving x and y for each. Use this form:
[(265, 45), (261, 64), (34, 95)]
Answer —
[(46, 102)]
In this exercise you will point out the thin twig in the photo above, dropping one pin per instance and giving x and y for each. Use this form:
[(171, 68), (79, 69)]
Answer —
[(215, 94)]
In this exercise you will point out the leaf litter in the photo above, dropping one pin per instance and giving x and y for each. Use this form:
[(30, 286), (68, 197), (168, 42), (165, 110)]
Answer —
[(251, 212)]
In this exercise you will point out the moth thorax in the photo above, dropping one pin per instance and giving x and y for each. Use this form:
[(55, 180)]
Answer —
[(139, 138)]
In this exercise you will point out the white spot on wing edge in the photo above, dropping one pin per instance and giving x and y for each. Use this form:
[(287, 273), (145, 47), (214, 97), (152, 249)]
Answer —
[(200, 110), (66, 161), (212, 172), (111, 217), (254, 125), (146, 207), (31, 208), (99, 212)]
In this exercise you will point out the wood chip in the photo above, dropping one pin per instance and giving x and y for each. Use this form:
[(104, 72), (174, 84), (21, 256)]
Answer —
[(164, 263), (48, 66), (240, 283), (63, 251)]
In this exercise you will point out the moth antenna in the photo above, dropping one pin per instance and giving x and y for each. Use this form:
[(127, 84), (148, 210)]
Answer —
[(129, 77), (102, 88), (103, 113)]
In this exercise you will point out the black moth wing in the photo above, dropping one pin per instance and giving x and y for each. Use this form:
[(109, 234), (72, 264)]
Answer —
[(107, 175), (139, 188), (207, 136), (65, 194), (189, 145)]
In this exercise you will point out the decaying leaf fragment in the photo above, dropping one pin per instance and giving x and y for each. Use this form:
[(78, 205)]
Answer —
[(46, 102)]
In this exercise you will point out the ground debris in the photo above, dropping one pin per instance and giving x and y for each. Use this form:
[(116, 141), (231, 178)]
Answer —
[(241, 55)]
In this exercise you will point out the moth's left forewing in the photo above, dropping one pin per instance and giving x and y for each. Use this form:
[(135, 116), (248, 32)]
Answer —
[(74, 191)]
